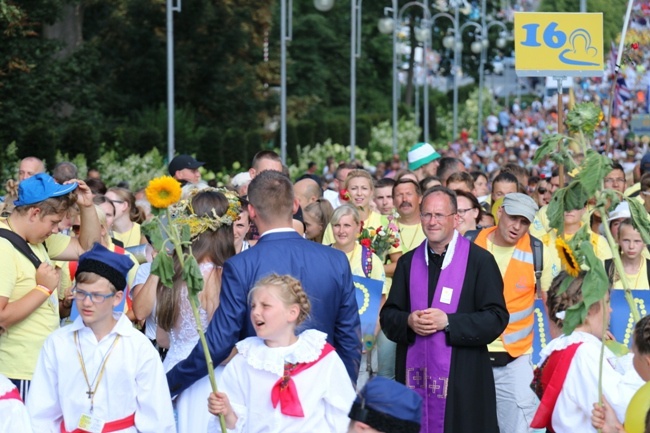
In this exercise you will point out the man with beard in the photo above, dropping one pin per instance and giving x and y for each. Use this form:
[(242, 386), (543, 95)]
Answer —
[(406, 199)]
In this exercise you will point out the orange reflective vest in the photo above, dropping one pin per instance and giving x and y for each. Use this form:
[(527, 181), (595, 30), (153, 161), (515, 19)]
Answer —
[(519, 293)]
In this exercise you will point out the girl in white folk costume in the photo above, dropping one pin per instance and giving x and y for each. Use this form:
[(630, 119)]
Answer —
[(279, 381), (567, 377), (13, 415), (100, 374)]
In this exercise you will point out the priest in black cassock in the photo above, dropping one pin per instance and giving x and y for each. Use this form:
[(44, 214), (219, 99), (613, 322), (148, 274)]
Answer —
[(445, 306)]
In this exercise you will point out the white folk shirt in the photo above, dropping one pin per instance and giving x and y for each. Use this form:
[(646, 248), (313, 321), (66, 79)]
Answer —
[(572, 411), (133, 381), (325, 391)]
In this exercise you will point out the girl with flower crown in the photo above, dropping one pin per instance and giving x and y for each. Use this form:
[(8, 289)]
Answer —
[(566, 380), (280, 381), (209, 213)]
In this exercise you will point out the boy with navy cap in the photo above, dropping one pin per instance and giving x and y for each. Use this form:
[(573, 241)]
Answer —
[(29, 301), (99, 374), (384, 405)]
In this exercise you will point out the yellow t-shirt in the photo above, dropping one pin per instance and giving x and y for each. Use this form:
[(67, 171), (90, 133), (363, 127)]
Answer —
[(374, 220), (129, 238), (410, 236), (638, 280), (22, 342)]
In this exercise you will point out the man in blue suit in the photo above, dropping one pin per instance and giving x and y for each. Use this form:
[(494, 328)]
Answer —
[(324, 273)]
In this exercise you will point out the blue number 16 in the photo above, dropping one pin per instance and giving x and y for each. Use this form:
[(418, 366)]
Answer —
[(553, 38)]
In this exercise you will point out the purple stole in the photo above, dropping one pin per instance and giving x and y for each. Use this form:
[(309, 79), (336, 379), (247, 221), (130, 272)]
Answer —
[(428, 360)]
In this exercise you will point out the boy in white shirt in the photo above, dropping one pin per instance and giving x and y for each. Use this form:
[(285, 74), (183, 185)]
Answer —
[(100, 374)]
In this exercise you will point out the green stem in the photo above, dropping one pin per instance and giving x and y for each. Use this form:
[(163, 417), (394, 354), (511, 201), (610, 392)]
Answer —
[(178, 248), (206, 352)]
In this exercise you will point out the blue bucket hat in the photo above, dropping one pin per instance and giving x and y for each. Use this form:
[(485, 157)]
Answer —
[(40, 187), (107, 264), (388, 406)]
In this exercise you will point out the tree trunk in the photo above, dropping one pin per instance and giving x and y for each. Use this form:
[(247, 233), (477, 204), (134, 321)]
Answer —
[(68, 29)]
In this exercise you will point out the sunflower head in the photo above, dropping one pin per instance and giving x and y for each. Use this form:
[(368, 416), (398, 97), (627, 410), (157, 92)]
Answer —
[(163, 191), (567, 257)]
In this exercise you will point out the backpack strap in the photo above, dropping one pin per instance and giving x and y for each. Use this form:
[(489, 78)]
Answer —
[(538, 262), (21, 245)]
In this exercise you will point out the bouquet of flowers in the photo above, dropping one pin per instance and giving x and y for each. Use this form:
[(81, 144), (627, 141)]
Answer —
[(379, 240)]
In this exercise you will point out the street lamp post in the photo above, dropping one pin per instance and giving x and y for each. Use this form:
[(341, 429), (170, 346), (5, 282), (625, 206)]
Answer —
[(171, 8), (285, 36), (389, 25), (355, 53), (454, 42)]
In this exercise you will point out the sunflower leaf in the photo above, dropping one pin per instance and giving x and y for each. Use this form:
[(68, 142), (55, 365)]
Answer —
[(576, 196), (640, 217), (555, 210), (185, 234), (574, 317), (163, 266), (548, 147), (596, 283), (192, 275), (153, 232), (563, 157), (608, 199), (594, 169)]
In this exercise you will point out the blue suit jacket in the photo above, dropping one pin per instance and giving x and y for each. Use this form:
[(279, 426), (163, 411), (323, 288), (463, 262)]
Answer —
[(325, 275)]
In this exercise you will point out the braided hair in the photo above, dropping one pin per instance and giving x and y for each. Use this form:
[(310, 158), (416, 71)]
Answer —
[(290, 292), (560, 302)]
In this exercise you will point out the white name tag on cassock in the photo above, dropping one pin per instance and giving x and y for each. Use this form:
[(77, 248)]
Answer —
[(445, 296), (91, 423)]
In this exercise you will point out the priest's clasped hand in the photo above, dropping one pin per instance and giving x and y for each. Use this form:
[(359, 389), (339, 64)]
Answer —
[(427, 322)]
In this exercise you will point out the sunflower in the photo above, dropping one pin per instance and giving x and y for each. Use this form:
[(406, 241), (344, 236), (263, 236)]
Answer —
[(163, 191), (567, 257)]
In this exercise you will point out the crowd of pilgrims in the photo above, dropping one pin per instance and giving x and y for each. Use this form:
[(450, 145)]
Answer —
[(88, 332)]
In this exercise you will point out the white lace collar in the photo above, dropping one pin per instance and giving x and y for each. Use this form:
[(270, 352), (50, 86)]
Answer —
[(258, 355), (564, 341)]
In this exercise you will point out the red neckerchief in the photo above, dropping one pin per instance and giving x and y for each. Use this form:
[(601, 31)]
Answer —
[(553, 374), (284, 391), (11, 395)]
